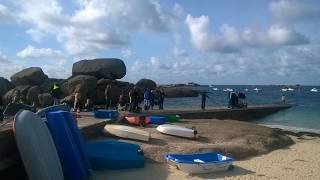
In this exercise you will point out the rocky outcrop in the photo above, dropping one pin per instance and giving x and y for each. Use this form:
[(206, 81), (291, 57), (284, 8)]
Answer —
[(45, 99), (108, 68), (29, 76), (175, 92), (5, 86), (146, 83), (82, 84)]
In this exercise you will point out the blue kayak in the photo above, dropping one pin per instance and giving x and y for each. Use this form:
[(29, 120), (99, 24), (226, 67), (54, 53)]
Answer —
[(157, 120), (63, 107), (69, 144), (103, 114), (112, 154), (197, 163)]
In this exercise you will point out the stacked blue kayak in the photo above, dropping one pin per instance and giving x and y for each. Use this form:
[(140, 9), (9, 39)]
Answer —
[(69, 144), (77, 158), (114, 155), (157, 120), (44, 111), (104, 113)]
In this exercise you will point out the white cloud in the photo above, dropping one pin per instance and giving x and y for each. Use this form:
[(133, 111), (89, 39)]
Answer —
[(36, 34), (127, 54), (230, 39), (178, 52), (286, 11), (40, 53), (95, 25), (5, 14)]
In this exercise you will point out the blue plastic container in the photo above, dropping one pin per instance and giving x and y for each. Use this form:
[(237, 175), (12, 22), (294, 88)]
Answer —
[(69, 145), (110, 154), (103, 113), (157, 120)]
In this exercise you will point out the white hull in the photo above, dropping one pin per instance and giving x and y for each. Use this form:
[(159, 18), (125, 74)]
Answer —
[(177, 131), (314, 90), (200, 168), (127, 132)]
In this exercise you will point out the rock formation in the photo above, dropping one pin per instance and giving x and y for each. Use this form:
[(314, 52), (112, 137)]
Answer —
[(29, 76), (146, 83), (108, 68)]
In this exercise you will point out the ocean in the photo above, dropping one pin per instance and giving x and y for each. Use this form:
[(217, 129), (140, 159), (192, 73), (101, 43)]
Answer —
[(303, 116)]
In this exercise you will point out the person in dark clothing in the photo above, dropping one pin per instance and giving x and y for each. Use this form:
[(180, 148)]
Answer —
[(204, 97), (108, 94), (152, 99), (134, 99), (233, 100), (55, 93), (146, 96), (161, 98)]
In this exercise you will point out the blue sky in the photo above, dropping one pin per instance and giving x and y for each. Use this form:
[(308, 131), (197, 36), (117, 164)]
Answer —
[(208, 42)]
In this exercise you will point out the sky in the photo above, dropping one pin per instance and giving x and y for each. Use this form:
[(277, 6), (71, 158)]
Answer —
[(168, 41)]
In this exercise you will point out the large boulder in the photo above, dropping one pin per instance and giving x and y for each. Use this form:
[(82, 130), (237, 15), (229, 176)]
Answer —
[(146, 83), (45, 99), (175, 92), (82, 84), (29, 76), (5, 86), (108, 68), (32, 95)]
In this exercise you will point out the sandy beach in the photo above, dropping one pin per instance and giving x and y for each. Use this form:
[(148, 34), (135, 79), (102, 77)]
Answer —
[(298, 161)]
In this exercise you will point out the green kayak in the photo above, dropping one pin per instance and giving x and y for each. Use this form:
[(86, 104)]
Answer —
[(173, 118)]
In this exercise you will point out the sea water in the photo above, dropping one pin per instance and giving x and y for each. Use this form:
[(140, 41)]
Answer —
[(303, 116)]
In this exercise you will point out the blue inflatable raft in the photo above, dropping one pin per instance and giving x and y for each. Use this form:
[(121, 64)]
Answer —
[(114, 155), (198, 163), (105, 114)]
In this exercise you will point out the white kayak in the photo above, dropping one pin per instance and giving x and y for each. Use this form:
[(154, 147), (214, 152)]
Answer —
[(177, 131), (36, 146), (127, 132)]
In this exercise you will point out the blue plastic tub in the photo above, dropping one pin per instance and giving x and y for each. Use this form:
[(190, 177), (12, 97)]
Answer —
[(204, 157), (104, 114), (157, 120), (110, 154)]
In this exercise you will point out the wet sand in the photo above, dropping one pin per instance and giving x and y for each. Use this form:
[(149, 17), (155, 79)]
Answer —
[(299, 161)]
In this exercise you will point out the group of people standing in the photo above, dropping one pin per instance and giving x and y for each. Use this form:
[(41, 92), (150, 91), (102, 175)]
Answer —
[(133, 99)]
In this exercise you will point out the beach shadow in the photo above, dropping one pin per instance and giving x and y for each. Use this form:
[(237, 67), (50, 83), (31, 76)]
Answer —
[(236, 171), (155, 141), (154, 171), (203, 139)]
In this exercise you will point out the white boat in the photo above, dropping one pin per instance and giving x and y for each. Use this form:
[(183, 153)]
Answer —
[(257, 89), (284, 89), (177, 131), (127, 132), (246, 89), (290, 89), (228, 90), (36, 146), (314, 90), (199, 163), (215, 89)]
